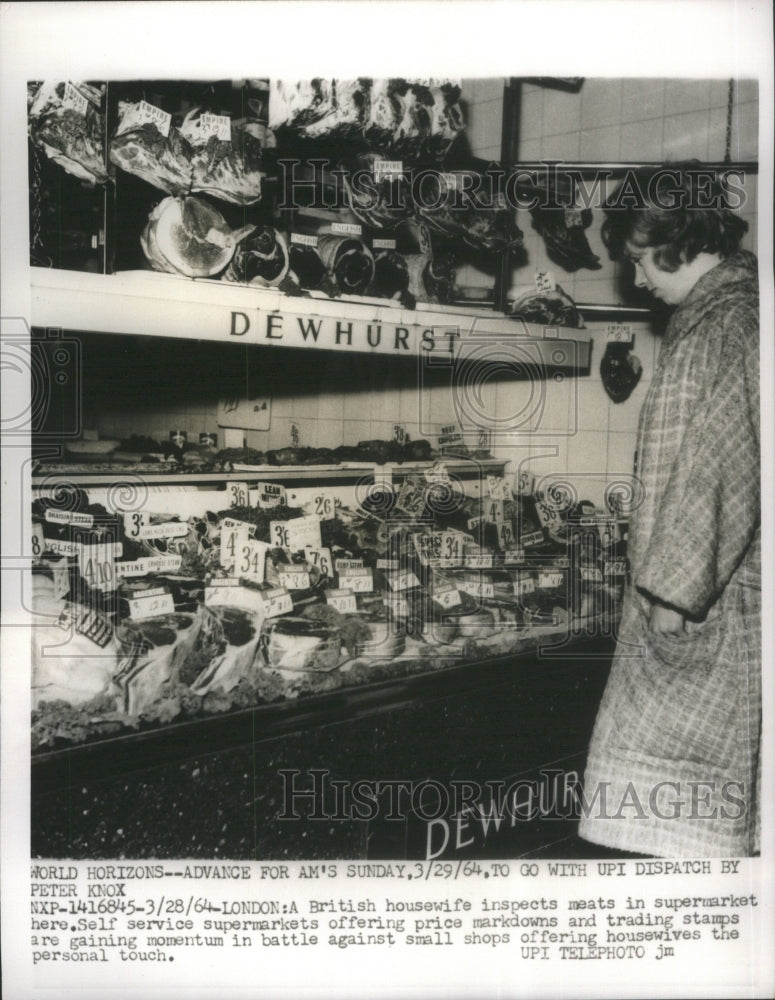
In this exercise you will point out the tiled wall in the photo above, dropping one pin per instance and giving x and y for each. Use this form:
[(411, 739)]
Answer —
[(581, 433)]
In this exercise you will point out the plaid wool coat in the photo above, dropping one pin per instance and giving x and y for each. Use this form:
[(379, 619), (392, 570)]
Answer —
[(673, 765)]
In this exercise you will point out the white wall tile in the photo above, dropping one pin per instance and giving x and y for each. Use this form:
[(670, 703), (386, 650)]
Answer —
[(601, 103), (642, 99), (562, 112), (531, 122), (746, 91), (330, 406), (600, 144), (686, 136), (328, 433), (641, 141), (561, 147), (590, 404), (355, 431), (745, 132), (687, 95), (621, 454)]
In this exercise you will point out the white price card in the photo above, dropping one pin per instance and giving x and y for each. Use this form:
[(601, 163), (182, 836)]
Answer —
[(149, 564), (591, 574), (548, 580), (61, 547), (498, 488), (74, 99), (524, 584), (320, 559), (397, 605), (346, 229), (386, 563), (217, 125), (427, 544), (531, 539), (271, 495), (96, 565), (324, 506), (524, 483), (297, 533), (250, 564), (238, 494), (437, 473), (276, 602), (69, 517), (133, 522), (360, 581), (301, 239), (505, 535), (452, 547), (342, 601), (493, 511), (403, 581), (477, 588), (548, 514), (544, 282), (234, 538), (343, 565), (37, 542), (150, 113), (616, 567), (294, 578), (388, 168), (477, 559), (618, 333), (446, 595), (169, 529), (513, 556), (150, 605)]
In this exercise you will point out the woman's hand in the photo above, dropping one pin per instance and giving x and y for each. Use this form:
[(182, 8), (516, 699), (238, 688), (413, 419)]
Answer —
[(665, 621)]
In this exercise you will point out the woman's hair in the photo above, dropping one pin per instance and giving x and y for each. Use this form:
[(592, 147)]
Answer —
[(680, 209)]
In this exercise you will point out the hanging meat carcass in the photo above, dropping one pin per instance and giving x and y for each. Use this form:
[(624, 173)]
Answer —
[(452, 206), (65, 120), (228, 156), (152, 148)]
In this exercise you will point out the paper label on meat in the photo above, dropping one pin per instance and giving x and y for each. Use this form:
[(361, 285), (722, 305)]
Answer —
[(617, 567), (301, 239), (86, 621), (320, 559), (531, 538), (61, 547), (388, 168), (294, 578), (524, 584), (69, 517), (403, 581), (505, 535), (324, 506), (498, 488), (217, 125), (151, 605), (342, 601), (446, 595), (146, 112), (548, 581), (170, 529), (276, 602), (37, 543), (475, 558), (544, 282), (74, 99), (618, 333), (513, 556), (477, 588), (383, 244), (346, 229), (493, 511), (96, 566), (359, 581), (344, 565), (591, 574)]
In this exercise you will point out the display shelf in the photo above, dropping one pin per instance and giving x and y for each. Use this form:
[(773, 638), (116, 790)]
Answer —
[(162, 305)]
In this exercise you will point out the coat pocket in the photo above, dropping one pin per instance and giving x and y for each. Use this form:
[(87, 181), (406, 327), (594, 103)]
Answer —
[(696, 650)]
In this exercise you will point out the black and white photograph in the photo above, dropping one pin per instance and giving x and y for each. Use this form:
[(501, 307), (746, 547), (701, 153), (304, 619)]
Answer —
[(386, 462)]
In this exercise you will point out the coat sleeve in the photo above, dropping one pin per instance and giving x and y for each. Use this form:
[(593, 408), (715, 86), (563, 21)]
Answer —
[(711, 509)]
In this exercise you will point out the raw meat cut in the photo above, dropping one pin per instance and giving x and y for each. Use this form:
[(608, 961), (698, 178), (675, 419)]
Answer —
[(261, 259), (187, 236), (349, 263), (553, 308), (236, 633), (563, 232), (66, 122), (139, 147)]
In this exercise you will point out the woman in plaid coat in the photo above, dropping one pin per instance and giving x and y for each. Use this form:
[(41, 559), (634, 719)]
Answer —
[(673, 766)]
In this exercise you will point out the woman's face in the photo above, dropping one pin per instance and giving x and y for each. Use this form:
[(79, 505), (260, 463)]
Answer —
[(670, 286)]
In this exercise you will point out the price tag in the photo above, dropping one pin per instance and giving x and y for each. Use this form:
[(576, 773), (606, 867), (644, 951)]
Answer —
[(344, 565), (149, 564), (134, 522), (544, 282), (150, 605), (321, 559), (446, 595), (561, 562), (276, 602), (294, 578), (383, 244), (88, 622), (548, 515), (411, 497), (73, 98), (342, 601), (477, 587), (452, 547), (169, 529), (69, 517), (437, 473), (524, 483), (493, 511), (96, 566), (305, 241), (524, 584), (550, 580), (617, 567), (387, 563), (531, 539), (513, 556), (402, 581), (238, 494), (498, 488), (450, 435), (346, 229), (217, 125), (251, 563), (149, 113), (427, 545), (591, 574), (473, 523), (505, 535), (397, 605), (388, 168), (359, 581), (297, 534), (61, 547), (477, 558), (234, 539), (37, 542), (324, 506), (618, 333), (271, 495)]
